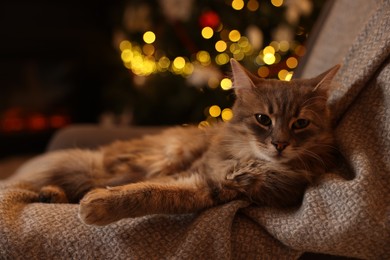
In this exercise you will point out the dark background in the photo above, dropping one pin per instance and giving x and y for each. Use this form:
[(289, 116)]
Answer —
[(59, 66), (56, 58)]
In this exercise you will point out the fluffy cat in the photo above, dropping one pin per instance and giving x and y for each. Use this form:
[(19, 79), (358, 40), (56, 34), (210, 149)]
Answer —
[(278, 141)]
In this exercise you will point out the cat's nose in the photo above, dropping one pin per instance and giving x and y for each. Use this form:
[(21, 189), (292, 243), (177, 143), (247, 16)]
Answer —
[(280, 146)]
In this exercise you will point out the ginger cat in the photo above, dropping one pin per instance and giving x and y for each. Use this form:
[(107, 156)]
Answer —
[(278, 141)]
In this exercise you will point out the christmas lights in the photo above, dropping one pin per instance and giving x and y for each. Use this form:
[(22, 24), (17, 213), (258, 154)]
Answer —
[(218, 37)]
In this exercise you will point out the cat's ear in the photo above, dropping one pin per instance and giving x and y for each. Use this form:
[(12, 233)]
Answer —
[(241, 77), (323, 81)]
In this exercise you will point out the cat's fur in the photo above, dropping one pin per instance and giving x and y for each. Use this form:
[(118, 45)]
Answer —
[(279, 139)]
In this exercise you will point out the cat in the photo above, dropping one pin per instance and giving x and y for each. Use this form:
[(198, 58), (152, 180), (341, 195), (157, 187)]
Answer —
[(279, 140)]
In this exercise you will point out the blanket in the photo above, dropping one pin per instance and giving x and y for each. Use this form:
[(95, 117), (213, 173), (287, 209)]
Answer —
[(339, 216)]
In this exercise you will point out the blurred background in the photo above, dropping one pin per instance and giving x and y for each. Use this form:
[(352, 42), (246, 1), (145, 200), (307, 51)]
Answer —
[(150, 62)]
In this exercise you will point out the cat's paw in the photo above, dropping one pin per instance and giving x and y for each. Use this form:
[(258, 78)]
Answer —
[(52, 194), (99, 207)]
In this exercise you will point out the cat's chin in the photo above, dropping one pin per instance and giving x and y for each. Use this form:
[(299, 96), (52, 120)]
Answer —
[(275, 157), (280, 158)]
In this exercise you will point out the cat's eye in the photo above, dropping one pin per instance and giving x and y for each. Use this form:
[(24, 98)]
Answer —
[(301, 123), (263, 119)]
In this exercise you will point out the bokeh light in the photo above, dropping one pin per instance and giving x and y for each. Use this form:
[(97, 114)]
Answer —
[(226, 84), (292, 62), (203, 57), (148, 49), (209, 58), (238, 4), (124, 45), (149, 37), (179, 63), (263, 71), (163, 63), (227, 114), (215, 111), (269, 49), (284, 46), (203, 124), (300, 50), (252, 5), (234, 35), (285, 75), (220, 46), (277, 3), (269, 58), (207, 32), (222, 59)]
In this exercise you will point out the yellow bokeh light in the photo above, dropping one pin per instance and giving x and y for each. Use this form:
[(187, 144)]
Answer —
[(277, 3), (234, 35), (284, 46), (269, 58), (235, 48), (164, 62), (220, 46), (149, 37), (282, 74), (226, 84), (142, 66), (148, 49), (227, 114), (188, 68), (285, 75), (288, 76), (292, 62), (222, 59), (215, 111), (243, 42), (263, 72), (207, 32), (203, 57), (259, 59), (124, 45), (269, 49), (149, 67), (300, 50), (239, 56), (203, 124), (127, 55), (275, 45), (179, 63), (238, 4), (252, 5)]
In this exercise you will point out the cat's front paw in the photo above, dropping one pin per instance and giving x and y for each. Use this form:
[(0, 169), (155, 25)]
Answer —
[(98, 207), (52, 194)]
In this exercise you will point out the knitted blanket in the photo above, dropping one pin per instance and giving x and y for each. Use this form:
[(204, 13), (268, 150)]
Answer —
[(346, 217)]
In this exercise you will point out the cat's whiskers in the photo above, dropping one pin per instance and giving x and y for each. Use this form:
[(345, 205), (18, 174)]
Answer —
[(333, 147), (313, 155), (304, 164)]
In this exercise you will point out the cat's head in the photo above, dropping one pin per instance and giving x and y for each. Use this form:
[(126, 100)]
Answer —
[(283, 120)]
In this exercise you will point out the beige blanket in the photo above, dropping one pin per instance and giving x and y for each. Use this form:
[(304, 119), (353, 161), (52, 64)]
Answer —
[(337, 216)]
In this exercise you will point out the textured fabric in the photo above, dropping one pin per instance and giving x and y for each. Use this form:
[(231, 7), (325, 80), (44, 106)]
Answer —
[(337, 216), (337, 33), (31, 230)]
